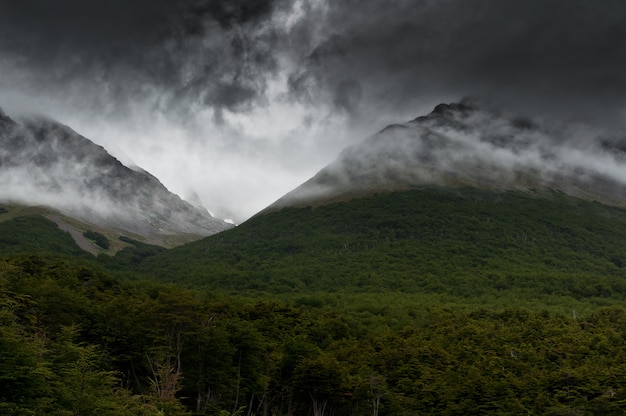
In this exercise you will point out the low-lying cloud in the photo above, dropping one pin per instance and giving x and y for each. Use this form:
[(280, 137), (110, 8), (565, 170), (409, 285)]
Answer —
[(45, 163), (466, 144)]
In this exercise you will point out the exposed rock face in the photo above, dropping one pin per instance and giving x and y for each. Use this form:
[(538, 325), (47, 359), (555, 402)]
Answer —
[(46, 163), (462, 145)]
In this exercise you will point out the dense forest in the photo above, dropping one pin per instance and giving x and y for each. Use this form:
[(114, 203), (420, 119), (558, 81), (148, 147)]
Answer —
[(423, 302), (430, 241)]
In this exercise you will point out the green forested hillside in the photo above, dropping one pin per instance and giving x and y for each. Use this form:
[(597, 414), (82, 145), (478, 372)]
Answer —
[(438, 241), (36, 234), (432, 301)]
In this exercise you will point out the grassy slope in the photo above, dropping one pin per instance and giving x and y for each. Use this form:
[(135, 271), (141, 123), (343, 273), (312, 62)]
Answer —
[(78, 228), (13, 212), (27, 231), (35, 234), (438, 242)]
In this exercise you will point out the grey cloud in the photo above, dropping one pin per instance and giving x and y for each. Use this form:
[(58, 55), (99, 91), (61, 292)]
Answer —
[(350, 56), (169, 54), (227, 13), (542, 54), (114, 28), (43, 162), (232, 96)]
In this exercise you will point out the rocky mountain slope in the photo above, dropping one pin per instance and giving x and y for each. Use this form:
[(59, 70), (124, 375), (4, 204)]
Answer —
[(43, 162), (464, 144)]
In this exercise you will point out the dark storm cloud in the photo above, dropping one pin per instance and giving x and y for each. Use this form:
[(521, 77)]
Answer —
[(227, 13), (44, 32), (177, 53), (117, 27), (565, 56), (350, 56)]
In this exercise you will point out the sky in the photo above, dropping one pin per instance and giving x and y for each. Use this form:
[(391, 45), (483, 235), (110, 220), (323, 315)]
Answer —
[(240, 101)]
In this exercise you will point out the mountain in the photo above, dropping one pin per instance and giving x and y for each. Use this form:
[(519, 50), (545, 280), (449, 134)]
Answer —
[(460, 199), (461, 295), (469, 145), (433, 240), (43, 162)]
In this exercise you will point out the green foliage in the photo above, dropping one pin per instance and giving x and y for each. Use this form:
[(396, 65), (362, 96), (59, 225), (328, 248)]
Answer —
[(130, 240), (36, 234), (98, 238), (75, 341), (42, 369), (132, 256), (465, 243), (424, 302), (125, 260)]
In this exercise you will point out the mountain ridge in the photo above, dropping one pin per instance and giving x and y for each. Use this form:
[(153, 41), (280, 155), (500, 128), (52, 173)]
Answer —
[(43, 162), (467, 144)]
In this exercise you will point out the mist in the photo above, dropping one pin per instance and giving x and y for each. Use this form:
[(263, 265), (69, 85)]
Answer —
[(469, 144), (241, 101), (43, 163)]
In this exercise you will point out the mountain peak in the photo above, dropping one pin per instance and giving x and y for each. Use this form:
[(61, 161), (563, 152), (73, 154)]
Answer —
[(466, 105), (43, 162), (462, 109), (468, 144)]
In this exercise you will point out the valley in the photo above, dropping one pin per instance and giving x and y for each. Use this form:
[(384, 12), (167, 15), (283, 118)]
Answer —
[(433, 300), (382, 286), (313, 208)]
